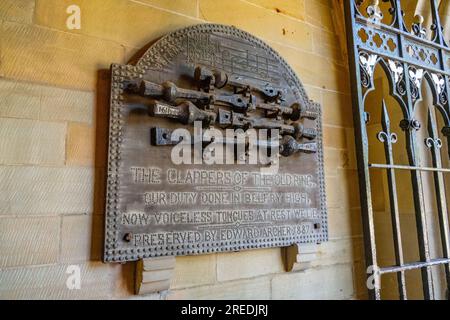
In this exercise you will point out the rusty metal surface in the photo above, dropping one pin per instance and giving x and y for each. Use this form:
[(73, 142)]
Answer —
[(224, 78)]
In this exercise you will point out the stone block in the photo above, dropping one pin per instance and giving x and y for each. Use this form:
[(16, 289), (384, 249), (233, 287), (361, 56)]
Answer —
[(313, 69), (32, 142), (40, 54), (17, 10), (343, 189), (263, 23), (292, 8), (334, 137), (333, 282), (81, 238), (19, 99), (185, 7), (194, 271), (337, 109), (319, 14), (29, 241), (128, 23), (34, 101), (45, 190), (254, 289), (80, 145), (59, 104), (251, 264), (50, 282), (154, 264), (151, 277)]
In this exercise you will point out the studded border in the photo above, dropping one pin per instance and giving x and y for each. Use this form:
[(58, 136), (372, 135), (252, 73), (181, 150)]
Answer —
[(153, 57)]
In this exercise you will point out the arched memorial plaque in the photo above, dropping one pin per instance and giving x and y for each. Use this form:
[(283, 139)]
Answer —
[(201, 78)]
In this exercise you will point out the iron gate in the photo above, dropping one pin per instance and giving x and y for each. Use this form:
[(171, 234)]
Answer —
[(408, 57)]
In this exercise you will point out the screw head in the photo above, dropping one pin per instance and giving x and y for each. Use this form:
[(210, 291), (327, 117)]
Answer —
[(128, 237), (416, 124)]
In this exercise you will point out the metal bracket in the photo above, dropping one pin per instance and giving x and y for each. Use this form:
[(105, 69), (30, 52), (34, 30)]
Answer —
[(298, 257), (154, 275)]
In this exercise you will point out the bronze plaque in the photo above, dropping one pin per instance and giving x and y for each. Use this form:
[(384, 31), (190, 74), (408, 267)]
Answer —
[(195, 92)]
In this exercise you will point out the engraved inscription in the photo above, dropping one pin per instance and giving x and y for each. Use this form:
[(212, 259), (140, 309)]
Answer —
[(202, 49), (266, 219), (146, 175)]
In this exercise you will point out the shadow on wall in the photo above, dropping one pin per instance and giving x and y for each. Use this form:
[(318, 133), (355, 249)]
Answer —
[(101, 156), (103, 89)]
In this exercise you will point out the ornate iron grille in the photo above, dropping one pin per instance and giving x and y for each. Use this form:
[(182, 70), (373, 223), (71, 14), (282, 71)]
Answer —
[(409, 58)]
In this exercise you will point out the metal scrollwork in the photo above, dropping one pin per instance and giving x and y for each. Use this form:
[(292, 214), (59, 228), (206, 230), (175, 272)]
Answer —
[(374, 12), (436, 143), (386, 136), (367, 64), (389, 138), (439, 84), (418, 28), (416, 76), (433, 141), (397, 75)]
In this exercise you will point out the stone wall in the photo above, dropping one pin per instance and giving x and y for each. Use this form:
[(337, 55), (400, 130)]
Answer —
[(53, 101)]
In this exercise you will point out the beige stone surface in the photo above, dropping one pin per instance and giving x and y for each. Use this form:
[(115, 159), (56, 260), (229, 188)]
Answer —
[(32, 142), (265, 24), (81, 238), (160, 263), (80, 145), (186, 7), (29, 241), (125, 22), (17, 10), (334, 137), (335, 159), (33, 101), (45, 190), (251, 264), (293, 8), (58, 104), (152, 287), (327, 45), (313, 69), (343, 224), (314, 93), (257, 288), (194, 271), (337, 109), (154, 275), (38, 54), (319, 14), (49, 282), (340, 251), (342, 190), (19, 99), (332, 282), (157, 276)]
